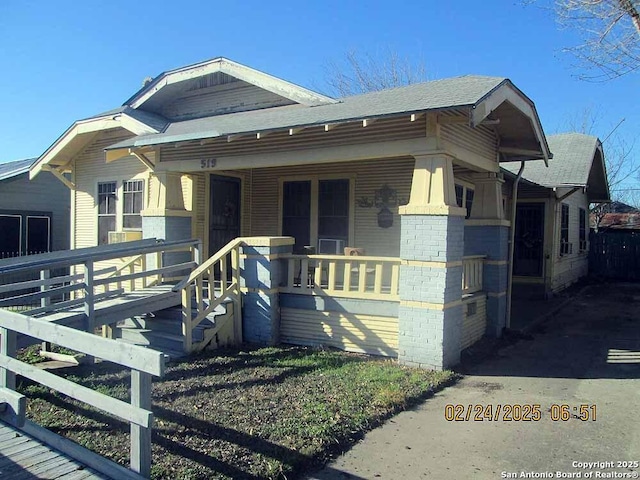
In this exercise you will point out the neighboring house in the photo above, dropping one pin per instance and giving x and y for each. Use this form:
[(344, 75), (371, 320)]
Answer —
[(552, 213), (218, 150), (34, 215), (615, 216)]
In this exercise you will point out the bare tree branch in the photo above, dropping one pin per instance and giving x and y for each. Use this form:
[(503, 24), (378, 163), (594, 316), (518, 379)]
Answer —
[(609, 32), (361, 73)]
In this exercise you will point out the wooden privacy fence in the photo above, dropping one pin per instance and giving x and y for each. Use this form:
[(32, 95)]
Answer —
[(144, 363), (615, 254)]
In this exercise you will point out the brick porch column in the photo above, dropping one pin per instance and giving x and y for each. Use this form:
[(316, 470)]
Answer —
[(431, 247), (261, 274), (486, 232)]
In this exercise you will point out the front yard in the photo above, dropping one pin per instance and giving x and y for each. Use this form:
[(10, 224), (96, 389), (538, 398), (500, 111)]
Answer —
[(255, 413)]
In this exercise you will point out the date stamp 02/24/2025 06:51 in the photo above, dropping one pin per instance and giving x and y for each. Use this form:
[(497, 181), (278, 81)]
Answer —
[(517, 412)]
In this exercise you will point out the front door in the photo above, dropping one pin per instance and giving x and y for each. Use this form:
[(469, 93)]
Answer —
[(224, 211), (528, 256)]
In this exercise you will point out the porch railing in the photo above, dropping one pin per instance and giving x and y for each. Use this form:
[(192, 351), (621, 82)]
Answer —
[(56, 289), (215, 281), (472, 271), (343, 276)]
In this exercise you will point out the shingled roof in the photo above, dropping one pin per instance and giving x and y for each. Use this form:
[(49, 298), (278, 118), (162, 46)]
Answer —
[(15, 168), (439, 94)]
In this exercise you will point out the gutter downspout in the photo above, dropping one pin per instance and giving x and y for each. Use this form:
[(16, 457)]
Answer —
[(514, 201)]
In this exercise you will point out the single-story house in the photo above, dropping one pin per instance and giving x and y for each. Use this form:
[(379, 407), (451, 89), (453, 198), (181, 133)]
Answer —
[(552, 214), (34, 215), (408, 178)]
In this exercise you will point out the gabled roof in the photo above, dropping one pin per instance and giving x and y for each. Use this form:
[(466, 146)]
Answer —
[(182, 78), (15, 168), (481, 95), (578, 161)]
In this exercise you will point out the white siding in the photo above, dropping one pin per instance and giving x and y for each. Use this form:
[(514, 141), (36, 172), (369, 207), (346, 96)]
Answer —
[(569, 268)]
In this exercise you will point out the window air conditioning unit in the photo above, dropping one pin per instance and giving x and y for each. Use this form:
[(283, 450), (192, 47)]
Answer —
[(330, 246), (119, 237)]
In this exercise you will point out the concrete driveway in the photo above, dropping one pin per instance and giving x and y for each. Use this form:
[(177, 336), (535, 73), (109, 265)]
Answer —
[(588, 353)]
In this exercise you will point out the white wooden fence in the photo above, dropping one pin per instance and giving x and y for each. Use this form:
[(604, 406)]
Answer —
[(144, 363)]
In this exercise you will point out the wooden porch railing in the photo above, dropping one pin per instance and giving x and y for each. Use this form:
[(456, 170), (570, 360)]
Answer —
[(472, 271), (56, 289), (144, 363), (344, 276), (215, 281)]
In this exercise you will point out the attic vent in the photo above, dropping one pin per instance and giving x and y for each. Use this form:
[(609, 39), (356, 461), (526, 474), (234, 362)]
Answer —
[(212, 80)]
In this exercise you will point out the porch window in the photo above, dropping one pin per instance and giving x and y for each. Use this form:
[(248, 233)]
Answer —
[(296, 213), (583, 230), (133, 200), (333, 211), (106, 211), (464, 197), (565, 246), (314, 210)]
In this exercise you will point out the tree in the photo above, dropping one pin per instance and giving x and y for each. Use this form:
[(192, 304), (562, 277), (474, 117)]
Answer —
[(362, 73), (610, 35)]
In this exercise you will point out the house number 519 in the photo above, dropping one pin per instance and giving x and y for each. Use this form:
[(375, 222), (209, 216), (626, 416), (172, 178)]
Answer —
[(208, 163)]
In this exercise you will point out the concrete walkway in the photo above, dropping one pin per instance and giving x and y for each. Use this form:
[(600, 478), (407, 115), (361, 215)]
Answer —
[(588, 353)]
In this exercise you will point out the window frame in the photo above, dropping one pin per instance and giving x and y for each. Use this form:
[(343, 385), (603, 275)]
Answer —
[(582, 230), (466, 188), (315, 192), (124, 203), (565, 244), (119, 204)]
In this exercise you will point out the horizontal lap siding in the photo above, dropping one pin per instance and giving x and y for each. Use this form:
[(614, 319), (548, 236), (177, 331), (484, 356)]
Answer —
[(474, 326), (370, 334), (232, 97), (481, 140), (369, 177)]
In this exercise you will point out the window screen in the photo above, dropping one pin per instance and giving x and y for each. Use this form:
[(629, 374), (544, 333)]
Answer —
[(333, 209), (296, 213)]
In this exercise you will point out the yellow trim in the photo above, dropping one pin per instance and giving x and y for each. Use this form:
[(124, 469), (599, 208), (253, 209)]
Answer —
[(268, 241), (429, 305), (165, 212), (424, 263), (496, 262), (496, 294), (444, 210), (487, 222)]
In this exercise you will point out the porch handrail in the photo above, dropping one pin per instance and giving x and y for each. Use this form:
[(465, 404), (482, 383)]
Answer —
[(472, 273), (144, 363), (360, 276), (229, 290)]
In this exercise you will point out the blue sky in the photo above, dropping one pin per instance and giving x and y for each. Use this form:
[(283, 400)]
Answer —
[(65, 60)]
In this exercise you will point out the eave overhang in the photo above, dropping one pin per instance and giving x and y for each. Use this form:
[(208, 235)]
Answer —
[(59, 155)]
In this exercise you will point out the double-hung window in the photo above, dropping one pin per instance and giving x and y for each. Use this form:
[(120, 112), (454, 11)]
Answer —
[(316, 213), (119, 207), (464, 197), (106, 210), (565, 246), (583, 230)]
